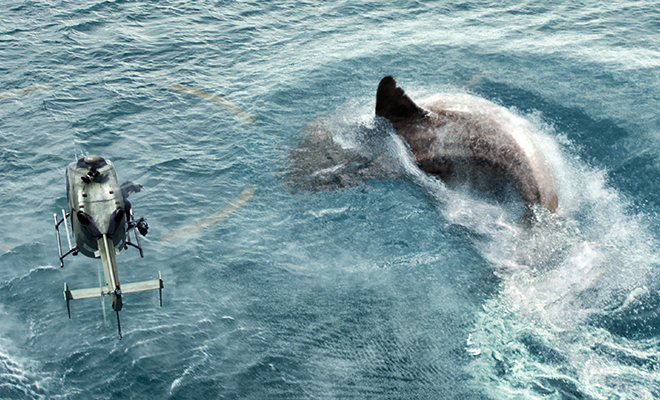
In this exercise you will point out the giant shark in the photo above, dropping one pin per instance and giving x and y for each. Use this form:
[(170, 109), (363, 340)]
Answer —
[(447, 142)]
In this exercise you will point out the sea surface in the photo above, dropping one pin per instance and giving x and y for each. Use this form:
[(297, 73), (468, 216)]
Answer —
[(381, 284)]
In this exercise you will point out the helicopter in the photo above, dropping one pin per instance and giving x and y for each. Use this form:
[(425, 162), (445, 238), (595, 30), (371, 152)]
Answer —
[(100, 218)]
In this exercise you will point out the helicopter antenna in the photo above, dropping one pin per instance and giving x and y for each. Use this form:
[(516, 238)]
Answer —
[(76, 150), (105, 319)]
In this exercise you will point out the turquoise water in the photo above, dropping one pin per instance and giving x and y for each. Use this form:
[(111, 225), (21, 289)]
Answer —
[(392, 286)]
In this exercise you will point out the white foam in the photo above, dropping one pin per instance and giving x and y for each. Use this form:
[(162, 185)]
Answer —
[(18, 374), (594, 255)]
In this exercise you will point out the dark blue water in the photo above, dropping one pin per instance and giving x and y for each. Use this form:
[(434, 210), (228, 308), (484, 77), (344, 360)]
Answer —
[(387, 285)]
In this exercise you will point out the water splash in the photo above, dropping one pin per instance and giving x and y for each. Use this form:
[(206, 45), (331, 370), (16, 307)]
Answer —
[(562, 279)]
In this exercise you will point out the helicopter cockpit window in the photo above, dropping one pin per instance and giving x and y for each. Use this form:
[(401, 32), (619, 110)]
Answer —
[(116, 220), (88, 224)]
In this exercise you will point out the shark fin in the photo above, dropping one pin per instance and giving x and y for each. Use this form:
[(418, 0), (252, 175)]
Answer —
[(393, 103)]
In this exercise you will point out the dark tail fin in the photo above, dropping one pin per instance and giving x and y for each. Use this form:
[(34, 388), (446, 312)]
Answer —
[(393, 103)]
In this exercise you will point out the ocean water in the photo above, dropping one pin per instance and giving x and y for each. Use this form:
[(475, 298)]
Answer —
[(355, 275)]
